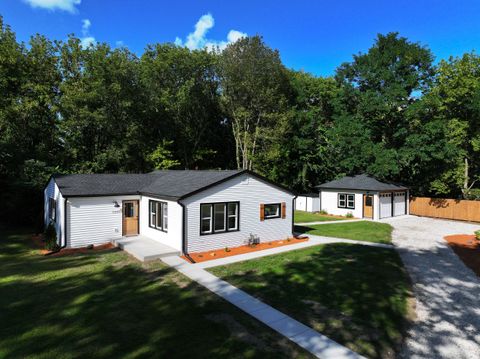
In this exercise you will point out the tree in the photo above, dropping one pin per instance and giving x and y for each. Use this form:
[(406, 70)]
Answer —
[(378, 90), (182, 102), (255, 90), (456, 100)]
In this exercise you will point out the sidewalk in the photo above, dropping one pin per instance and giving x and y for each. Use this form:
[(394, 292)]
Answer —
[(316, 343)]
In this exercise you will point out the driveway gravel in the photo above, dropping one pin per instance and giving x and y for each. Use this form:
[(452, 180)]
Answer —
[(447, 292)]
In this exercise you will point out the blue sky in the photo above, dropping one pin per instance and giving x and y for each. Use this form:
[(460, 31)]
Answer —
[(315, 36)]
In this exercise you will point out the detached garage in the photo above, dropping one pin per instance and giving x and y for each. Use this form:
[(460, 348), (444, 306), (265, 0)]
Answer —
[(364, 197)]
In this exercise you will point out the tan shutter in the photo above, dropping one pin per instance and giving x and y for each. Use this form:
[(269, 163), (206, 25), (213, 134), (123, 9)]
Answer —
[(284, 210), (262, 212)]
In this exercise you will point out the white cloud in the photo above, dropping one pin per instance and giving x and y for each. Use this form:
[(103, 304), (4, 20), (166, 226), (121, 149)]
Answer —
[(198, 38), (119, 43), (65, 5), (86, 26), (87, 40)]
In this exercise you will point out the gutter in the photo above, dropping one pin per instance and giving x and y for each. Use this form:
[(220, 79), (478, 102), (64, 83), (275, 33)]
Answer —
[(184, 233)]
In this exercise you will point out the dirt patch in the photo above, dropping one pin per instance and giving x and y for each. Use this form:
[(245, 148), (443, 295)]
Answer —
[(467, 247), (227, 252)]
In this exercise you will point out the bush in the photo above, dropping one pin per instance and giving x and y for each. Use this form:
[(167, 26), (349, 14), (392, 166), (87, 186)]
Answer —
[(323, 212), (477, 234), (349, 215), (51, 238)]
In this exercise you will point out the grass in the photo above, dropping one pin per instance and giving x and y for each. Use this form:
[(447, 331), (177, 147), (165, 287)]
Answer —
[(360, 231), (107, 305), (304, 217), (359, 296)]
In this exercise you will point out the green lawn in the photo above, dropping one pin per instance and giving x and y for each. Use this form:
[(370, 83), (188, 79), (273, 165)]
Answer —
[(360, 231), (304, 217), (359, 296), (107, 305)]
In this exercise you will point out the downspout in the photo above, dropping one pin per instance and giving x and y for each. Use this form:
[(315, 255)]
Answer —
[(64, 223), (184, 233), (293, 213)]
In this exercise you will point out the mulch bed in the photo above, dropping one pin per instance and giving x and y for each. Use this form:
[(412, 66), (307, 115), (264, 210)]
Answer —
[(39, 243), (467, 247), (222, 253)]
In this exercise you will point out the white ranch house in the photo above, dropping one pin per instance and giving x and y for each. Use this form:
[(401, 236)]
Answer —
[(364, 197), (189, 211)]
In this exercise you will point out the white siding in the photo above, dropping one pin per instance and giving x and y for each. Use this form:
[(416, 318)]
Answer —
[(94, 220), (308, 204), (173, 237), (52, 191), (329, 203), (250, 192)]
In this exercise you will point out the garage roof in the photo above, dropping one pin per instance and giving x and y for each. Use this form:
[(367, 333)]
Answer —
[(361, 182), (168, 184)]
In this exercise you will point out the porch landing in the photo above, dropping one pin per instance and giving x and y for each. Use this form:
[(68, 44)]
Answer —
[(145, 249)]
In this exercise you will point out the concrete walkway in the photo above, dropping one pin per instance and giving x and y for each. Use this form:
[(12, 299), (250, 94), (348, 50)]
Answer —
[(316, 343), (313, 241), (447, 292), (332, 222)]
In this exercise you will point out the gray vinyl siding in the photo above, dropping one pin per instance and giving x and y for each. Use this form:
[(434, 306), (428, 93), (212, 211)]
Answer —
[(173, 237), (52, 191), (250, 192), (94, 220)]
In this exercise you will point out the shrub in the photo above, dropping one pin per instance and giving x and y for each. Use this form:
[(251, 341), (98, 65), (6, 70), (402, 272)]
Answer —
[(349, 215), (253, 240), (477, 234), (323, 212), (51, 238)]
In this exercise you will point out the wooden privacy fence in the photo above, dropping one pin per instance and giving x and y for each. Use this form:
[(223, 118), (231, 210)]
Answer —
[(462, 210)]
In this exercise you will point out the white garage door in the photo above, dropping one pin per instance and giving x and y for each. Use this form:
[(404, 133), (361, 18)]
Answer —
[(399, 204), (385, 205)]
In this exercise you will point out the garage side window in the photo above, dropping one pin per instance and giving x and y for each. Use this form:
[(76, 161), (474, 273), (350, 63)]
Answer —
[(52, 209), (219, 217), (346, 200), (158, 215)]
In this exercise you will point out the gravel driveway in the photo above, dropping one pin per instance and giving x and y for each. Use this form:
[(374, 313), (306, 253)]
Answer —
[(447, 292)]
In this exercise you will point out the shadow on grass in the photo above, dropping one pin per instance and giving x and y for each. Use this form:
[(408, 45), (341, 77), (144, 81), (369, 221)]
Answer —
[(105, 305), (356, 295)]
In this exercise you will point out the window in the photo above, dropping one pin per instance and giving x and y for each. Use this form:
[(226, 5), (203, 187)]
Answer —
[(52, 209), (271, 210), (158, 218), (219, 217), (346, 200)]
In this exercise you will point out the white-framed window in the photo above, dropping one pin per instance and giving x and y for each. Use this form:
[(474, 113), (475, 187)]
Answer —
[(52, 209), (346, 200), (232, 216), (158, 217), (272, 210), (219, 217)]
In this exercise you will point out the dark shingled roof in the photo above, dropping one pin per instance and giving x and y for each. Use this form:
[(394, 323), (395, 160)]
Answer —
[(170, 184), (361, 182)]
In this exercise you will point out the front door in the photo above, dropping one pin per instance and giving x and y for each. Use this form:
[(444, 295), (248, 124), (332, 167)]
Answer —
[(367, 206), (130, 218)]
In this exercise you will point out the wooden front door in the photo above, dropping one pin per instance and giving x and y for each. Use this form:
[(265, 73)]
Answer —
[(130, 218), (367, 206)]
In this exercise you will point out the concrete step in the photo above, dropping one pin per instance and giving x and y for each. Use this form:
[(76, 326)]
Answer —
[(145, 249)]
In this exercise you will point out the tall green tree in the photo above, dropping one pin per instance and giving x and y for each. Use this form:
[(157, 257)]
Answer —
[(455, 97), (255, 92), (378, 89)]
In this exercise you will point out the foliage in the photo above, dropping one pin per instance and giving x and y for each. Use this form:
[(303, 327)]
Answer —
[(349, 215), (51, 237), (477, 234), (389, 113)]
